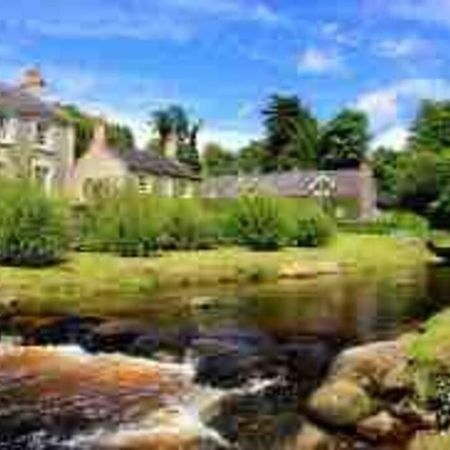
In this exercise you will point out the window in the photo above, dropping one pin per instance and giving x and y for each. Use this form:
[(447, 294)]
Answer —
[(144, 186), (41, 134), (42, 175)]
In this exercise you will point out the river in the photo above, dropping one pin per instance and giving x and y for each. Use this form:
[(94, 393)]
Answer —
[(231, 364)]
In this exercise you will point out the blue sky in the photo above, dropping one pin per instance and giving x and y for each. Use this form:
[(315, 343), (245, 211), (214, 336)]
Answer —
[(223, 58)]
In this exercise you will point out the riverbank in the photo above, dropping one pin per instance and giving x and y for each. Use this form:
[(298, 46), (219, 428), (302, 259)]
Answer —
[(101, 282)]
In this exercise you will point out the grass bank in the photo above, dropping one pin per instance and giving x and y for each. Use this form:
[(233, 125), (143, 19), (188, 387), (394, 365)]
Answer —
[(87, 279)]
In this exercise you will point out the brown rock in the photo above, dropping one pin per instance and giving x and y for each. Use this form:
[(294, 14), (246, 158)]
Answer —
[(310, 438), (380, 428)]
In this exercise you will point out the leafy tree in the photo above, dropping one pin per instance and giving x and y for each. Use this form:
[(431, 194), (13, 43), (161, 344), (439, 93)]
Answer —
[(345, 140), (385, 164), (431, 128), (218, 161), (162, 125), (292, 134), (119, 137), (175, 121), (251, 157)]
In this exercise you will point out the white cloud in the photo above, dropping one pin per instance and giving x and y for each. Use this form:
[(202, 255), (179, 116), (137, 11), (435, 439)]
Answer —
[(394, 137), (401, 48), (384, 105), (434, 11), (333, 31), (316, 61)]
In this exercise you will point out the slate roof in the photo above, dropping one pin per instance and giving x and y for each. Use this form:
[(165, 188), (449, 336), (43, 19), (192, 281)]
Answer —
[(148, 161), (16, 102), (299, 183)]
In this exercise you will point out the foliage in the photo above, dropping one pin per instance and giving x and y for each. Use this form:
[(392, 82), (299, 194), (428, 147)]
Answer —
[(175, 121), (418, 181), (390, 224), (125, 223), (311, 227), (187, 226), (33, 226), (292, 135), (440, 211), (251, 157), (385, 164), (431, 128), (258, 223), (345, 140), (218, 161), (118, 136)]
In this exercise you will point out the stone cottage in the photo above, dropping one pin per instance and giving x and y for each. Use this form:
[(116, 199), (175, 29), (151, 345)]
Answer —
[(352, 192), (35, 142), (103, 169)]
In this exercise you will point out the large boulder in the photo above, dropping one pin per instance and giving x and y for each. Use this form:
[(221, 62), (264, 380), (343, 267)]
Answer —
[(381, 368), (310, 438), (341, 403)]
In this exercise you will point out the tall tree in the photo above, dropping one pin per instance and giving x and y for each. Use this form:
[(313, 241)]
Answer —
[(218, 161), (119, 137), (292, 134), (162, 124), (431, 128), (345, 140), (175, 121)]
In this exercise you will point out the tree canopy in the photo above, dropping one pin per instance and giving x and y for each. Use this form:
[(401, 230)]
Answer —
[(345, 140), (218, 161), (431, 128)]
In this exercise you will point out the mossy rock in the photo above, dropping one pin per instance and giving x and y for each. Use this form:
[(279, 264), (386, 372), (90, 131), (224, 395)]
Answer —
[(342, 403)]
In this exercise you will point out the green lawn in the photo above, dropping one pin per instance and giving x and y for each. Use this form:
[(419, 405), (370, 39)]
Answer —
[(106, 280)]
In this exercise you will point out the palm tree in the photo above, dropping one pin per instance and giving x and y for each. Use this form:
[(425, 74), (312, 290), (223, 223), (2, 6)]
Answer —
[(162, 124)]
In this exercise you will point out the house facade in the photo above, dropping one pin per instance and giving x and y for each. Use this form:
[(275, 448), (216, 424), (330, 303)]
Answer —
[(351, 193), (35, 141), (103, 169)]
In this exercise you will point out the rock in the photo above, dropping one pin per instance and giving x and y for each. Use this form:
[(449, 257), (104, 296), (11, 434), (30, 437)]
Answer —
[(413, 415), (146, 345), (372, 366), (297, 271), (307, 358), (66, 330), (328, 268), (341, 403), (310, 438), (430, 441), (116, 336), (381, 428)]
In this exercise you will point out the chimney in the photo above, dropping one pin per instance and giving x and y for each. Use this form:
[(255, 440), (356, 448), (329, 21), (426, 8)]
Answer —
[(99, 141), (32, 82), (171, 147)]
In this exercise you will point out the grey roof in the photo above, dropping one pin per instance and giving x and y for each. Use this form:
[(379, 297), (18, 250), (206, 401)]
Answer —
[(299, 183), (148, 161), (17, 102)]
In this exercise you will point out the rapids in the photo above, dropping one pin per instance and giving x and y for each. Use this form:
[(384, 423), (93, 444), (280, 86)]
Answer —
[(61, 397)]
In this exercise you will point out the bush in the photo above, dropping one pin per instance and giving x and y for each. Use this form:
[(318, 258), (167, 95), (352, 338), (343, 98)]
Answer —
[(391, 223), (311, 226), (187, 226), (125, 223), (33, 226), (257, 222)]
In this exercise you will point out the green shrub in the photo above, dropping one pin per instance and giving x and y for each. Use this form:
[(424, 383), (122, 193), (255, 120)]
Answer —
[(125, 223), (33, 226), (187, 226), (257, 222), (311, 226), (391, 224)]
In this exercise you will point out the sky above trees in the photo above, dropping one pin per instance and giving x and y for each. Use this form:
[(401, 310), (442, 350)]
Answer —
[(222, 59)]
